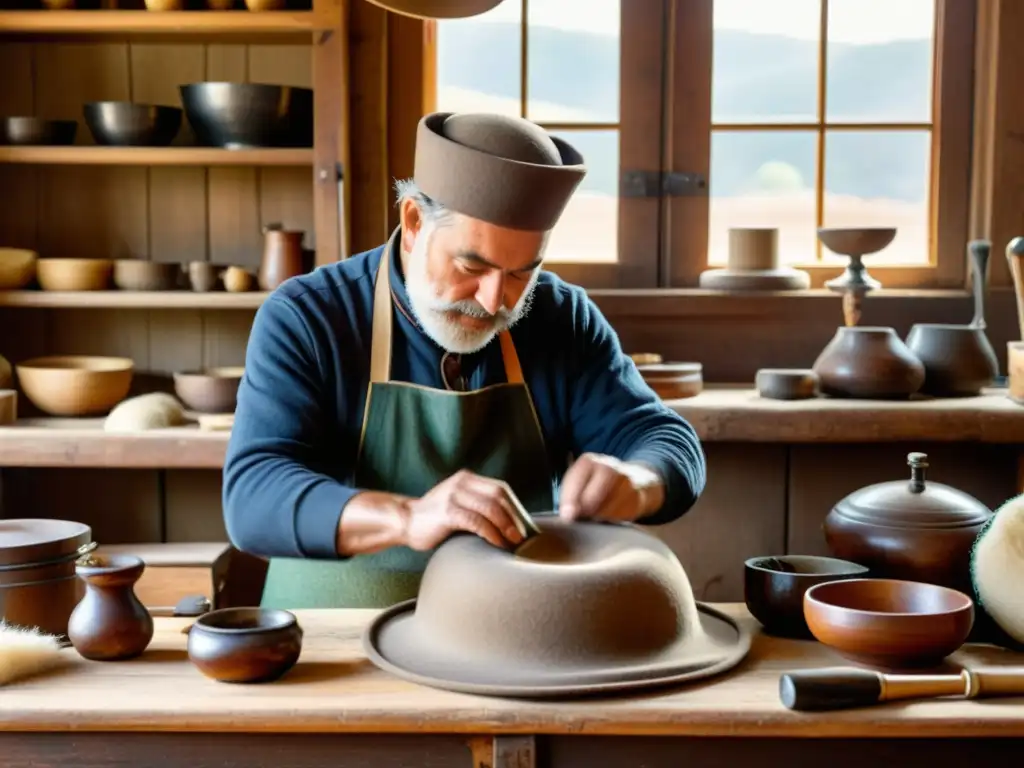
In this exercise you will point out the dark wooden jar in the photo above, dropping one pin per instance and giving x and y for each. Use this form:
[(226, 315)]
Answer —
[(916, 530)]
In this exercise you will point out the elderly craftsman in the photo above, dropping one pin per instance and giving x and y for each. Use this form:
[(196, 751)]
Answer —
[(424, 387)]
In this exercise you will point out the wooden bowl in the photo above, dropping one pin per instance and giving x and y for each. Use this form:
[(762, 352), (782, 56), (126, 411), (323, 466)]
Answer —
[(672, 381), (245, 645), (786, 384), (888, 623), (856, 241), (17, 268), (74, 274), (75, 385), (774, 587), (646, 358), (209, 391), (138, 275)]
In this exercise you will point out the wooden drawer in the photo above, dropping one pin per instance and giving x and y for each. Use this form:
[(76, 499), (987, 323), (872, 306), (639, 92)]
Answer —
[(178, 570)]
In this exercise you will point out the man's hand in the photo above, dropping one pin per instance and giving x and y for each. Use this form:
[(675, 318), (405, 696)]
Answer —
[(599, 487), (463, 502)]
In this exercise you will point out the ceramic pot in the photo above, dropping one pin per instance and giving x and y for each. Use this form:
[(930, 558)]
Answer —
[(282, 256), (868, 362), (958, 359), (110, 623), (38, 585), (245, 645), (916, 530)]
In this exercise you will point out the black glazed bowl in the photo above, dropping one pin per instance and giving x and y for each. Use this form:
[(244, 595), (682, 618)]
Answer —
[(774, 587), (238, 115), (124, 124), (35, 131), (245, 645)]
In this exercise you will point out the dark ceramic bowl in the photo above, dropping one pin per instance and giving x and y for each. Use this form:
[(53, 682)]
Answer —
[(774, 588), (124, 124), (35, 131), (245, 645), (238, 115), (889, 624)]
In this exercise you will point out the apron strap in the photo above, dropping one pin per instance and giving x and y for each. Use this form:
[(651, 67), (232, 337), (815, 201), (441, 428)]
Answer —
[(380, 337)]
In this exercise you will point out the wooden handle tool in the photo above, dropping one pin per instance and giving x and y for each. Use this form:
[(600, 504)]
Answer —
[(815, 690), (1015, 258)]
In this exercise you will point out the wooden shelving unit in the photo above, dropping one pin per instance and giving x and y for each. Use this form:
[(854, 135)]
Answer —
[(160, 156), (123, 22), (82, 443), (132, 299)]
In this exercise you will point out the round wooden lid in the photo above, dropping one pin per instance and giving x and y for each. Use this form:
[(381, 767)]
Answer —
[(25, 541)]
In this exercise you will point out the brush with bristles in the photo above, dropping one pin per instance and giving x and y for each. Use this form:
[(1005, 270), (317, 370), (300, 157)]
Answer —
[(997, 568), (25, 652)]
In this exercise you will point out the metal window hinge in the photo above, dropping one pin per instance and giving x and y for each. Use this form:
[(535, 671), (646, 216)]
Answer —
[(657, 184)]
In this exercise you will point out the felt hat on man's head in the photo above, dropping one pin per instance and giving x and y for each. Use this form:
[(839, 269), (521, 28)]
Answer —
[(438, 9), (504, 170)]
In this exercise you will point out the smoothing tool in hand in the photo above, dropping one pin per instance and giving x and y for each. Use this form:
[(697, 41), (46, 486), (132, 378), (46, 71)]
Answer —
[(815, 690)]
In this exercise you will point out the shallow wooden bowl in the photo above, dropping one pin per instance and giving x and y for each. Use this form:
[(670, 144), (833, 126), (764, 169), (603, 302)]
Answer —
[(786, 384), (74, 274), (138, 275), (888, 623), (856, 241), (209, 391), (17, 268), (774, 587), (672, 381), (75, 385), (245, 645)]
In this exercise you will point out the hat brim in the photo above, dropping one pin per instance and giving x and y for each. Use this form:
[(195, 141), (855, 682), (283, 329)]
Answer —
[(394, 644), (438, 9)]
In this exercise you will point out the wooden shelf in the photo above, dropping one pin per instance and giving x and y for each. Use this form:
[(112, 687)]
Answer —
[(117, 22), (83, 443), (132, 299), (203, 156)]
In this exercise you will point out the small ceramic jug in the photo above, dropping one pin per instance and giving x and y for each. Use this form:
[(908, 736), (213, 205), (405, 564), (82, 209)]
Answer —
[(110, 623), (282, 256)]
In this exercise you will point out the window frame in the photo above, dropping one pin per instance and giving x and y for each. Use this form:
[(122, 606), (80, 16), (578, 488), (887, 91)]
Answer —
[(665, 126)]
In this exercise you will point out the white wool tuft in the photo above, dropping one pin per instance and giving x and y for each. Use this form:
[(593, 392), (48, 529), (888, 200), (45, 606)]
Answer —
[(26, 652), (998, 568)]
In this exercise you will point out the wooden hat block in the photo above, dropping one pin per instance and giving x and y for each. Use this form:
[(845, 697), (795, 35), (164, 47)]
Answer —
[(753, 265)]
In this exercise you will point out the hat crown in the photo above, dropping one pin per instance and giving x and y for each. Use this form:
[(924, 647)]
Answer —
[(512, 138), (581, 594)]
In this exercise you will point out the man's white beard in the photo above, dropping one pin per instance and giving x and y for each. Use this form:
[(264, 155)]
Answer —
[(430, 310)]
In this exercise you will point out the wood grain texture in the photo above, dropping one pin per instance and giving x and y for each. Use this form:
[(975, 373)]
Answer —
[(334, 689), (141, 299)]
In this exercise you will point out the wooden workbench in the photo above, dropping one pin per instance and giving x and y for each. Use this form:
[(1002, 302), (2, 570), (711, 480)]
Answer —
[(335, 708)]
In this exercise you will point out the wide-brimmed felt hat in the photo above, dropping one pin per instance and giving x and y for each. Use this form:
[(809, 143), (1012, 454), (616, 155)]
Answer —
[(504, 170), (438, 9), (582, 608)]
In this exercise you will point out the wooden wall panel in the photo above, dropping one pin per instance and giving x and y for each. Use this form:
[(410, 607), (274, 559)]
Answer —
[(741, 514)]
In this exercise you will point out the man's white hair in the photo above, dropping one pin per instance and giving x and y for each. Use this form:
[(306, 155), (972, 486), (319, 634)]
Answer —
[(432, 211)]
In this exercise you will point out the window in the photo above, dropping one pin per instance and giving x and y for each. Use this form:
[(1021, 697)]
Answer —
[(798, 113)]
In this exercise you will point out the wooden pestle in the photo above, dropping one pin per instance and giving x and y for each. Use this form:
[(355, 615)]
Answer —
[(1015, 257), (848, 687)]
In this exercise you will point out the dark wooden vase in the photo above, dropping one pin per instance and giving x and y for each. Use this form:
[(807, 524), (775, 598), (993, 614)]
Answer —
[(110, 623)]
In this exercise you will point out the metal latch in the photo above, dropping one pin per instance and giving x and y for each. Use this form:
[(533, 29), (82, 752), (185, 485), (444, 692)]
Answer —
[(657, 184)]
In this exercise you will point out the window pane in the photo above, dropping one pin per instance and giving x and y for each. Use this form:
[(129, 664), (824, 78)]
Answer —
[(880, 60), (765, 61), (573, 61), (478, 62), (763, 179), (589, 228), (880, 179)]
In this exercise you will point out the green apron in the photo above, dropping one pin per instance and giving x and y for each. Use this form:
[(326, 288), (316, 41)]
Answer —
[(413, 437)]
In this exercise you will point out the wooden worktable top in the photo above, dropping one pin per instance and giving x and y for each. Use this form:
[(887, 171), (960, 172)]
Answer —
[(335, 689)]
